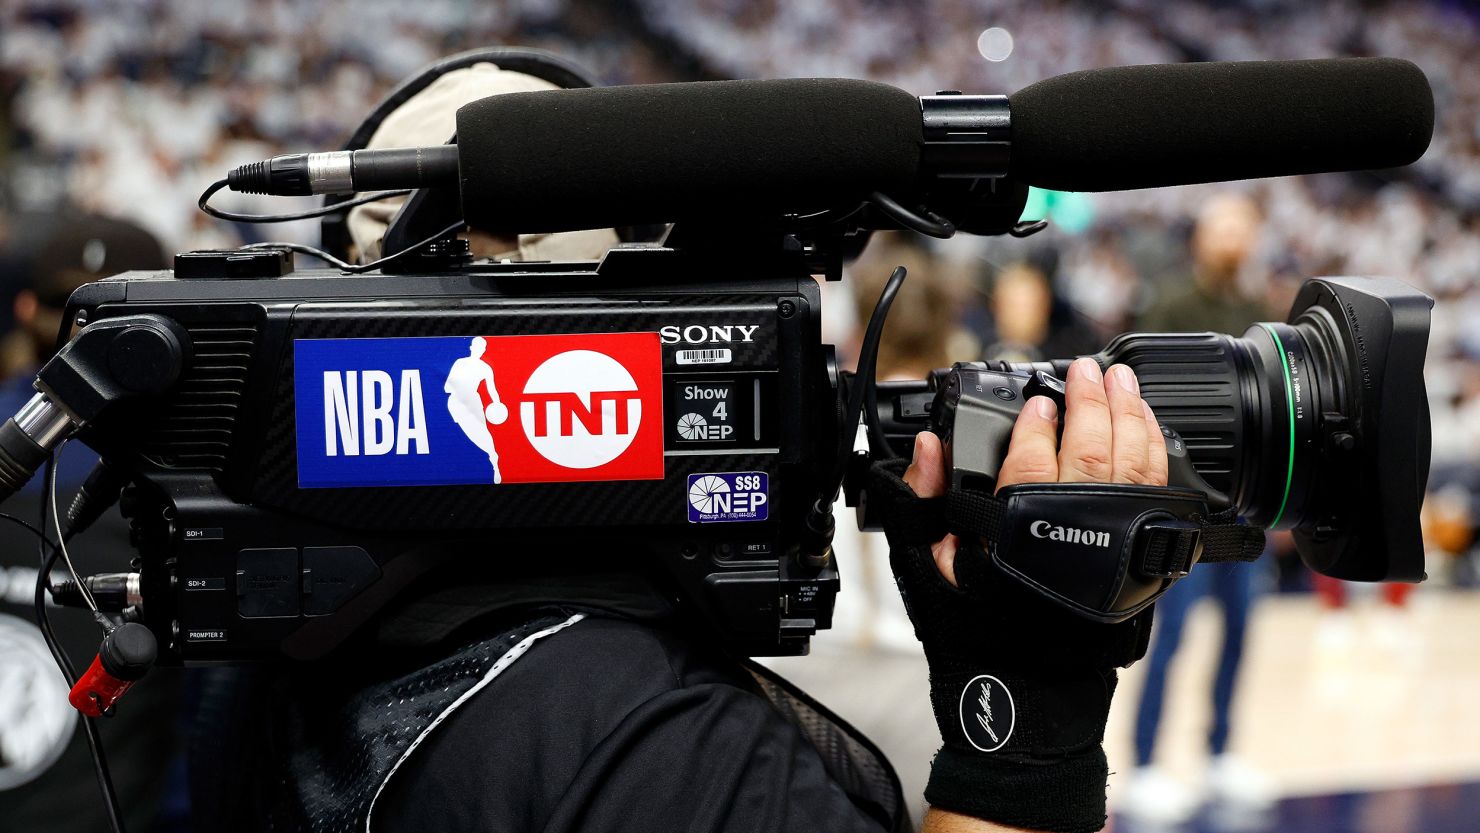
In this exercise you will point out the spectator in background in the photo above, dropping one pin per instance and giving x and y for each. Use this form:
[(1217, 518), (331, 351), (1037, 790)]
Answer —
[(79, 251), (38, 728), (923, 330), (1227, 232), (1031, 322)]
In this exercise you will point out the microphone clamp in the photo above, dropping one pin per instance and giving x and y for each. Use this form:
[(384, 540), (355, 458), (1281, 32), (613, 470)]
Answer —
[(965, 136)]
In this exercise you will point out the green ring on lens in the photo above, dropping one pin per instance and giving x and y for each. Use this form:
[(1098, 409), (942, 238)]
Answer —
[(1290, 406)]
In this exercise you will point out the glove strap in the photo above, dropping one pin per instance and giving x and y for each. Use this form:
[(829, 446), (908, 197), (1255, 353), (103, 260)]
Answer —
[(1104, 551)]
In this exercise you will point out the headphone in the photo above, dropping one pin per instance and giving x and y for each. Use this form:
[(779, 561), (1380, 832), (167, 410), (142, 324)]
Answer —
[(430, 209)]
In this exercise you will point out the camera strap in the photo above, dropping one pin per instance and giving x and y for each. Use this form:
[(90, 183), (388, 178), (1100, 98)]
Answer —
[(1105, 551)]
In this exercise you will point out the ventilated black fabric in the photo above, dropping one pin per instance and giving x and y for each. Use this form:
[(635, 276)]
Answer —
[(851, 758), (572, 159), (618, 726), (1174, 124), (341, 746)]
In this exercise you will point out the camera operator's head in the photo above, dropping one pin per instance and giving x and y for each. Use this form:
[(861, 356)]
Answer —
[(80, 250), (430, 118)]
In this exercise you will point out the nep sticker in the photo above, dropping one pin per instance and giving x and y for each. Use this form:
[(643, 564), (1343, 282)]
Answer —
[(728, 496), (459, 410)]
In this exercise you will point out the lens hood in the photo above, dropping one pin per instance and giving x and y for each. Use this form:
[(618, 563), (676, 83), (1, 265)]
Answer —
[(1372, 460)]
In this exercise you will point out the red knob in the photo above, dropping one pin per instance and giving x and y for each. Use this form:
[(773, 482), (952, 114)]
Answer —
[(97, 690), (124, 657)]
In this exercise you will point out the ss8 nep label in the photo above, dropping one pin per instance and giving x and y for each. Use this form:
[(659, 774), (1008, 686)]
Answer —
[(728, 496)]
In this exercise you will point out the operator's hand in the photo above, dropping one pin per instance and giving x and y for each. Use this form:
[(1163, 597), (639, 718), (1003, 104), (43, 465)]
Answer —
[(1110, 436)]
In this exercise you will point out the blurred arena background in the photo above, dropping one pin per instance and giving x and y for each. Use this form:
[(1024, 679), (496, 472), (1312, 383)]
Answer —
[(1355, 707)]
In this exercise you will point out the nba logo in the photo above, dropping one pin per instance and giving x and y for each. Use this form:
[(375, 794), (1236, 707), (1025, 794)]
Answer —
[(517, 409)]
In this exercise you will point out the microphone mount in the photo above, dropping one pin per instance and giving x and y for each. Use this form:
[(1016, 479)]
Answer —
[(965, 136)]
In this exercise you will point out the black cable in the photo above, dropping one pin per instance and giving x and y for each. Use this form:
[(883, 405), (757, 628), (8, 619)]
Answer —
[(43, 580), (105, 778), (863, 379), (334, 208), (924, 221), (362, 268), (43, 621), (42, 583), (344, 266), (878, 440)]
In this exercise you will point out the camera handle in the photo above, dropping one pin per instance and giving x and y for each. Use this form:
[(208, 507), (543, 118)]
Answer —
[(107, 363), (973, 402)]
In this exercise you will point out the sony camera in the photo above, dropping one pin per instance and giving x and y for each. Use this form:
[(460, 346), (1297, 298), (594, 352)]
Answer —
[(294, 449)]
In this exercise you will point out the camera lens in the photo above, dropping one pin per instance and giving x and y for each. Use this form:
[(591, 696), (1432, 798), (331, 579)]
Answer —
[(1319, 424), (1249, 408)]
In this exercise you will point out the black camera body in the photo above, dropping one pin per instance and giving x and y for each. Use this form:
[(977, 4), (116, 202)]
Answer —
[(327, 439), (295, 449), (261, 536)]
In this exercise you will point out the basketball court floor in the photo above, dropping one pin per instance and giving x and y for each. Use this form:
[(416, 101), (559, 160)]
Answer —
[(1367, 721)]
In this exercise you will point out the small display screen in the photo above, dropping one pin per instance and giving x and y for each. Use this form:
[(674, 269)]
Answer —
[(719, 413)]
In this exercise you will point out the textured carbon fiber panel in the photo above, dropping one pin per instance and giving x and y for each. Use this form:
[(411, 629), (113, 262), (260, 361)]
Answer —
[(219, 471), (627, 503)]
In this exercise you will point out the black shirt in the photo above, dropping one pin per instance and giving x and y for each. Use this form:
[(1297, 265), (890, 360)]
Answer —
[(614, 725)]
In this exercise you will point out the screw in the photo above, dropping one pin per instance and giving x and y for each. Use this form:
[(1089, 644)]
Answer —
[(81, 319), (787, 309)]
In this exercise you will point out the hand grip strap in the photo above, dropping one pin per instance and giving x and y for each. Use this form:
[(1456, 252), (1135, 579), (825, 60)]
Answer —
[(1104, 551)]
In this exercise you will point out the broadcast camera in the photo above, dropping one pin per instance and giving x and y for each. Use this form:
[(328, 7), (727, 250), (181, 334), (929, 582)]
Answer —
[(293, 448)]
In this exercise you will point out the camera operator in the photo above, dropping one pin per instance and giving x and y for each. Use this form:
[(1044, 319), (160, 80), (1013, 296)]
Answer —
[(609, 709), (629, 720)]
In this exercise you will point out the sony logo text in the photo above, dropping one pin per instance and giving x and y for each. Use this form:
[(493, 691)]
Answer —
[(711, 334)]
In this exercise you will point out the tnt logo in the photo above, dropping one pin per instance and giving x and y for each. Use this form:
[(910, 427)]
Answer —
[(478, 409), (581, 409)]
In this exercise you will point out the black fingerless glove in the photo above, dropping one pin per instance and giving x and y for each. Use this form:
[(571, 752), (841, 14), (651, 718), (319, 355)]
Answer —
[(1021, 688)]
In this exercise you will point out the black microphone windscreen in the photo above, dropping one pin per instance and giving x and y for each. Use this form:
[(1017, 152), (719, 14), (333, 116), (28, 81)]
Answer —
[(713, 150), (1177, 124)]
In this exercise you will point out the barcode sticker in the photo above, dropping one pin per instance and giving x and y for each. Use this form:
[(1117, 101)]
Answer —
[(716, 355)]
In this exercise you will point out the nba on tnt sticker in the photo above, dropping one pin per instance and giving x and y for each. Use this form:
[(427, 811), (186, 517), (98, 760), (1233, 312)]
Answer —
[(478, 409), (728, 496)]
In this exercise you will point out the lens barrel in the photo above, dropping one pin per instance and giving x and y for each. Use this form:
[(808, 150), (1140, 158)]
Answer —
[(1266, 416), (1250, 409), (1319, 425)]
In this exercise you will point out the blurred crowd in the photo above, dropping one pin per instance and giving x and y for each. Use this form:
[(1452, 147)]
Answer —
[(131, 107), (1112, 259)]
